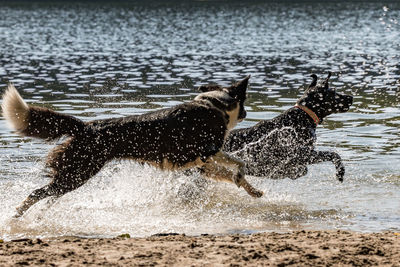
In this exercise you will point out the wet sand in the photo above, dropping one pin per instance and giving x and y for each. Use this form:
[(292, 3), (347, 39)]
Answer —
[(312, 248)]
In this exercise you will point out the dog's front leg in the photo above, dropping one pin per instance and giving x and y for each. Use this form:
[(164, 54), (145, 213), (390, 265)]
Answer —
[(217, 167), (321, 156), (225, 160)]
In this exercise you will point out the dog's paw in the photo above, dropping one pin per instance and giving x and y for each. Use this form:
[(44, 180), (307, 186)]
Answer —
[(251, 190), (16, 216), (19, 213), (256, 193), (340, 174)]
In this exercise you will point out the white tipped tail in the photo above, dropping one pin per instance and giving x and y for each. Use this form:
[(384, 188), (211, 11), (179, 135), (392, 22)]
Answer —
[(14, 108)]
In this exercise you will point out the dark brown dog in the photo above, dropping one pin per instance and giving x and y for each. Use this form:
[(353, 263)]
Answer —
[(185, 136)]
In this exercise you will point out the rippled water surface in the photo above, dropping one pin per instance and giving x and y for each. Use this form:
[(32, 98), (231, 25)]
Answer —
[(108, 60)]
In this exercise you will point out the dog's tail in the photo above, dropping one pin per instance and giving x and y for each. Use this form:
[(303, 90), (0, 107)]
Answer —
[(36, 121)]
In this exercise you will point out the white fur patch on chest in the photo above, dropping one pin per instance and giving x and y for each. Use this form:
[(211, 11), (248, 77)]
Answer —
[(233, 117)]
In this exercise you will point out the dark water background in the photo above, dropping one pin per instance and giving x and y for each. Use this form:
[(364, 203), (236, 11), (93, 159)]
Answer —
[(115, 59)]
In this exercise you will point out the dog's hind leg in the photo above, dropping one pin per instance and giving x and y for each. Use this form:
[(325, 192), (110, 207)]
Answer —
[(322, 156), (62, 183), (218, 167), (68, 175), (35, 196)]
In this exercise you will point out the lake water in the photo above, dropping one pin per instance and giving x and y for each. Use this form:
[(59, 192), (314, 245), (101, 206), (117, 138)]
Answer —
[(110, 60)]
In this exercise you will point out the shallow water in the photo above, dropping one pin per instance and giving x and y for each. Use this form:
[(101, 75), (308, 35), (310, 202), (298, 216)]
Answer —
[(99, 61)]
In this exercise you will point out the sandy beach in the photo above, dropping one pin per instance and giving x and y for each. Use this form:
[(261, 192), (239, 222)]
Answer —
[(314, 248)]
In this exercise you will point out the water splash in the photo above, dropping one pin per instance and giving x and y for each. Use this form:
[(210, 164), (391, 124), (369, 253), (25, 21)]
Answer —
[(141, 200)]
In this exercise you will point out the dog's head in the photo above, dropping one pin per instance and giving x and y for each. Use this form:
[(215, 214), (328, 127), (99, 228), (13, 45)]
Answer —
[(323, 100), (229, 99)]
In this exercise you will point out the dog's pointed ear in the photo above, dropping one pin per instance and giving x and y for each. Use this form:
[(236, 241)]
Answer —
[(239, 88), (326, 82), (314, 81), (209, 88)]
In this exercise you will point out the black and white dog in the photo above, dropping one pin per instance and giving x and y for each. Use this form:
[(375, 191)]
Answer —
[(284, 146), (182, 137)]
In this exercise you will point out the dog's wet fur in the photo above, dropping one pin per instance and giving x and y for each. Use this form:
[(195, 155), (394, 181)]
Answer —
[(178, 138), (284, 146)]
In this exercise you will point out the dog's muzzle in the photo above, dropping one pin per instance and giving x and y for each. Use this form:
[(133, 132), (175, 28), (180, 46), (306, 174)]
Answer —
[(348, 102), (345, 102)]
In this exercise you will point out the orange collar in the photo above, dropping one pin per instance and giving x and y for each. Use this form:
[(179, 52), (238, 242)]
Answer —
[(309, 112)]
